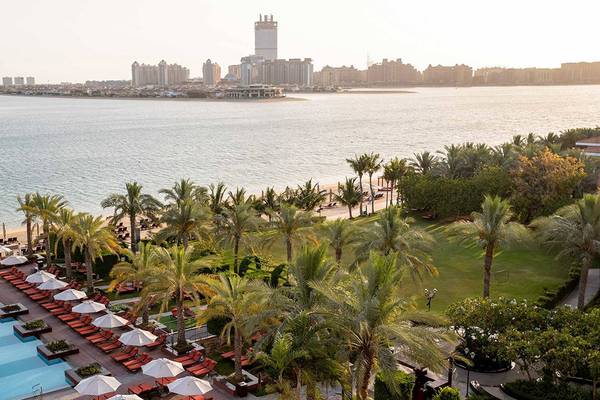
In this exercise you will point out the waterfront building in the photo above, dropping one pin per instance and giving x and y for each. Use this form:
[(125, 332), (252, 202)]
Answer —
[(339, 76), (256, 91), (265, 37), (7, 81), (393, 72), (234, 70), (294, 71), (211, 73), (162, 74), (249, 69), (30, 80), (448, 75), (581, 72), (19, 81)]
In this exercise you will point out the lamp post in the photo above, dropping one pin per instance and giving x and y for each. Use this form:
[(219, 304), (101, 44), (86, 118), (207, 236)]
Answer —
[(429, 295), (472, 355)]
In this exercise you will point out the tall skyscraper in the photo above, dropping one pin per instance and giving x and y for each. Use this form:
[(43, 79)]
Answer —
[(30, 80), (19, 81), (265, 37), (7, 81), (162, 74), (211, 73)]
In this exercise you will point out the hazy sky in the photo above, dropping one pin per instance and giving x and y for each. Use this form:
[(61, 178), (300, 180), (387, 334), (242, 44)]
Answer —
[(75, 40)]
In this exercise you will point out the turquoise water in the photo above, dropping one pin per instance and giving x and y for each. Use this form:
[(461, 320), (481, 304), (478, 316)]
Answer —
[(22, 369)]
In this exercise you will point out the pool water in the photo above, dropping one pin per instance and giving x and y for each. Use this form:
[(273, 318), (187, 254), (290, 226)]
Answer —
[(23, 372)]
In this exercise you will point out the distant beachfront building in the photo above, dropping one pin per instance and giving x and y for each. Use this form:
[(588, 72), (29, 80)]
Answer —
[(254, 92), (294, 71), (7, 81), (339, 76), (393, 72), (19, 81), (249, 69), (448, 75), (30, 80), (581, 72), (234, 70), (265, 37), (162, 74), (211, 73)]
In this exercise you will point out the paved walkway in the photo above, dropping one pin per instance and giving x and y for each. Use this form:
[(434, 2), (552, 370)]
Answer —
[(592, 288)]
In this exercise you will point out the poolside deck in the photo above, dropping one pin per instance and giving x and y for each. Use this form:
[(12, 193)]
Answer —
[(88, 353)]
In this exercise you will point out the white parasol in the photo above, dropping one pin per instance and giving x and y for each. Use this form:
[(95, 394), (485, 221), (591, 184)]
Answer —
[(39, 277), (97, 385), (162, 368), (189, 386), (14, 260), (88, 307), (110, 320), (137, 337), (53, 284), (70, 294)]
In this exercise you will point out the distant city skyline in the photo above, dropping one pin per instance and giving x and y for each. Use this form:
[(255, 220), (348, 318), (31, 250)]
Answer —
[(78, 40)]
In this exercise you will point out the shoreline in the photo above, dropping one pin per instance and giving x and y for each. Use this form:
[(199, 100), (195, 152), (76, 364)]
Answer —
[(199, 99)]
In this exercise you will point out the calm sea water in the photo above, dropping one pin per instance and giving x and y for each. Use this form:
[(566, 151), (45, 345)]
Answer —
[(87, 148)]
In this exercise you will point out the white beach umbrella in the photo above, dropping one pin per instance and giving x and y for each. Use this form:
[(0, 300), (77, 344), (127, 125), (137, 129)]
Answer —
[(70, 294), (88, 307), (137, 337), (5, 251), (189, 386), (125, 397), (39, 277), (110, 320), (53, 284), (14, 260), (162, 368), (97, 385)]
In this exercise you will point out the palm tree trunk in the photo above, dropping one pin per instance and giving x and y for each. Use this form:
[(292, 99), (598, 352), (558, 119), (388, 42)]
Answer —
[(134, 240), (338, 255), (47, 244), (360, 185), (487, 269), (594, 389), (288, 246), (180, 321), (372, 194), (392, 194), (145, 315), (29, 236), (350, 211), (585, 266), (298, 384), (387, 195), (236, 250), (237, 350), (185, 241), (89, 271), (67, 250), (451, 370), (363, 390)]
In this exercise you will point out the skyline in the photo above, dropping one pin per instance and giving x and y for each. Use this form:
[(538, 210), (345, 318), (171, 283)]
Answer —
[(77, 41)]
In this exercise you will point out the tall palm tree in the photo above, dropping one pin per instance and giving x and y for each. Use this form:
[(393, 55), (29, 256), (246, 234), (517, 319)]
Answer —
[(234, 222), (309, 196), (359, 166), (491, 229), (174, 275), (216, 197), (340, 234), (424, 162), (392, 234), (240, 300), (46, 208), (184, 222), (288, 224), (138, 268), (310, 266), (349, 194), (393, 171), (132, 204), (25, 204), (371, 316), (269, 202), (64, 230), (93, 238), (452, 163), (185, 189), (374, 162), (575, 231)]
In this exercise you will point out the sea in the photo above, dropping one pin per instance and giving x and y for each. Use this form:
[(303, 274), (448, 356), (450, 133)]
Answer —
[(86, 149)]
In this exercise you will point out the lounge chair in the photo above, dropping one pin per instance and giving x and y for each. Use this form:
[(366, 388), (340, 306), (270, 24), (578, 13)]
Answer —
[(125, 354), (143, 388), (207, 366), (69, 317), (228, 355), (109, 345), (158, 342), (187, 356), (81, 322), (191, 361), (100, 337)]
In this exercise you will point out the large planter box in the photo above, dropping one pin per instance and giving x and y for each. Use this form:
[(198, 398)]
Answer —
[(44, 351), (14, 313), (21, 331), (170, 350), (74, 378), (249, 385)]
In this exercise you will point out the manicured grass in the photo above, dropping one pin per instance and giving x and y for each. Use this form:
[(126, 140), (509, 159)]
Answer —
[(171, 323)]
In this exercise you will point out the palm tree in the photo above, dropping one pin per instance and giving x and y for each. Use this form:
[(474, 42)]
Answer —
[(269, 202), (452, 163), (310, 266), (46, 208), (25, 204), (240, 300), (424, 162), (349, 194), (184, 222), (359, 165), (173, 275), (575, 231), (139, 268), (63, 228), (288, 224), (393, 171), (216, 197), (309, 196), (234, 222), (373, 165), (393, 234), (131, 205), (93, 238), (371, 316), (340, 234), (518, 141), (491, 229), (185, 189)]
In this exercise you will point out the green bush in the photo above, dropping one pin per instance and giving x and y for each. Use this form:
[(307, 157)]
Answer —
[(528, 390), (401, 381), (58, 345), (103, 266), (33, 325), (215, 326), (89, 370), (447, 393)]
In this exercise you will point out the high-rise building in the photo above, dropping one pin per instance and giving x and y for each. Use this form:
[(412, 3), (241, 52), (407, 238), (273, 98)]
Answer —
[(393, 72), (265, 37), (19, 81), (581, 72), (339, 76), (234, 70), (7, 81), (162, 74), (249, 72), (30, 80), (294, 71), (442, 75), (211, 73)]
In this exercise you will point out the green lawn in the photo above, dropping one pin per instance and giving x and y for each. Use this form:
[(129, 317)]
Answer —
[(171, 323)]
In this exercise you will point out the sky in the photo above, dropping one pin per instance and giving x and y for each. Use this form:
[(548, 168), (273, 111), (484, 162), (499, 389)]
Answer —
[(78, 40)]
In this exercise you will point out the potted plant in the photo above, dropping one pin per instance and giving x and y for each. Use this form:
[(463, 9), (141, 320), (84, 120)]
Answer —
[(13, 310), (76, 375), (57, 349), (32, 328)]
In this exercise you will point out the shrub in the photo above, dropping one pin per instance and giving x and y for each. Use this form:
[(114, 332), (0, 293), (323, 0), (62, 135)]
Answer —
[(540, 390), (33, 325), (89, 370), (11, 308), (552, 298), (57, 346), (215, 326), (399, 386), (447, 393)]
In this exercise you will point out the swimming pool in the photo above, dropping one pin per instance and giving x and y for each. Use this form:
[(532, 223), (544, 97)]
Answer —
[(22, 371)]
